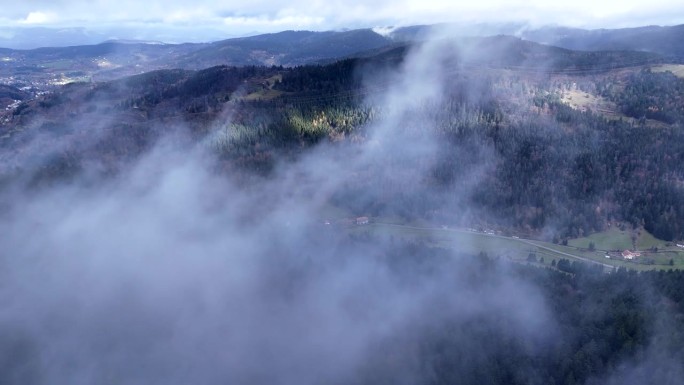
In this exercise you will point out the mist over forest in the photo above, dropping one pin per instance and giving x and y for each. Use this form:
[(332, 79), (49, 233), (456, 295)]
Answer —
[(405, 213)]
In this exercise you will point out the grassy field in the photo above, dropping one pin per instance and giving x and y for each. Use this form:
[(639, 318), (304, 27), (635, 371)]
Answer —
[(59, 65), (676, 69), (616, 239), (580, 100), (647, 261), (466, 242), (263, 95), (519, 249), (263, 90)]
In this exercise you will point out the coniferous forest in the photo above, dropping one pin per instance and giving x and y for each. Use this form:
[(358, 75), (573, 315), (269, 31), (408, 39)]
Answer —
[(549, 164)]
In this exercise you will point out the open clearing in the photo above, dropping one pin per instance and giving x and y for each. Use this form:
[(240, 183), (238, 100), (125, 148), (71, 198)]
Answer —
[(676, 69), (263, 90), (584, 101), (517, 249), (616, 239), (581, 100)]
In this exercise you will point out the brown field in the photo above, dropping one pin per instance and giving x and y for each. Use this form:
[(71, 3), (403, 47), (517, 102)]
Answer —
[(584, 101), (581, 100), (676, 69)]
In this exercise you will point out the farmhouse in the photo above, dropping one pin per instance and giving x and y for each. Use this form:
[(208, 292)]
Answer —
[(630, 255)]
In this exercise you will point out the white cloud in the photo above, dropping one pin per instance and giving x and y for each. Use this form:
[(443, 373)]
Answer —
[(186, 15), (384, 31), (37, 17), (269, 16), (287, 22)]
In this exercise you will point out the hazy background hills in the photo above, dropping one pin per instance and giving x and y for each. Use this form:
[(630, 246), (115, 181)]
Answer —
[(117, 58), (300, 46)]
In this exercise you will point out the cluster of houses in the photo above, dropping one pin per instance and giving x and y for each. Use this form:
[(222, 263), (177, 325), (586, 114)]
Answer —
[(628, 255)]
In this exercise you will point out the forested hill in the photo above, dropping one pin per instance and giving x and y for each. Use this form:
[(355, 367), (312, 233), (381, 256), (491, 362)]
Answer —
[(572, 141), (115, 59), (288, 48), (662, 40), (666, 41)]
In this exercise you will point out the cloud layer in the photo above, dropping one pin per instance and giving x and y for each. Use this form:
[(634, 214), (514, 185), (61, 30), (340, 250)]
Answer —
[(171, 274), (268, 16)]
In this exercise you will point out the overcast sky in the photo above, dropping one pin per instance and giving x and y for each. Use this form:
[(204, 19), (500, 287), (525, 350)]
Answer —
[(241, 17)]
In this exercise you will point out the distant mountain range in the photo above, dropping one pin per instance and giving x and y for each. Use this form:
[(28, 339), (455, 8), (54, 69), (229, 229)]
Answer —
[(300, 47), (288, 48), (38, 37), (35, 37), (41, 67), (169, 92), (666, 41)]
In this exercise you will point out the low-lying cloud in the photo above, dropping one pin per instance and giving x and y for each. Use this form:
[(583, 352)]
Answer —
[(170, 273)]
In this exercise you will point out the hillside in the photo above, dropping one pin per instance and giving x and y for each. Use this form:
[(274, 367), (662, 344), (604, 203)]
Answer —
[(661, 40), (10, 95), (665, 41), (288, 48), (45, 68), (560, 164)]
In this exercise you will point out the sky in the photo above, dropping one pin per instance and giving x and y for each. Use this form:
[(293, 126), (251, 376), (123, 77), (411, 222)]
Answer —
[(194, 19)]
